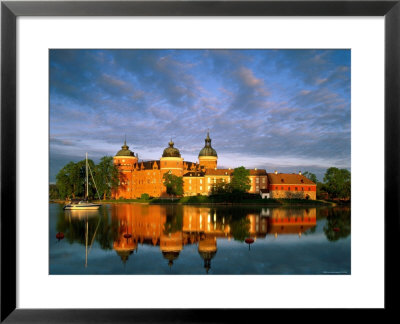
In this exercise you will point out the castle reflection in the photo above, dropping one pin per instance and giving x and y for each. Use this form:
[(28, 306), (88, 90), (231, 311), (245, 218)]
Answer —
[(173, 227)]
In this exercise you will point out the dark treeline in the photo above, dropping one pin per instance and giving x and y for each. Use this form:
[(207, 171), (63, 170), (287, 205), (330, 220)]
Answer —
[(71, 180), (336, 184)]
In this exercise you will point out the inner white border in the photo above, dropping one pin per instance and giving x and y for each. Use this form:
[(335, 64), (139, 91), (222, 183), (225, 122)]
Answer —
[(363, 288)]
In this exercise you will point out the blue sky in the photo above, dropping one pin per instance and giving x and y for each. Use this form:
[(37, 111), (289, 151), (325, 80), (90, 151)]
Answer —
[(285, 110)]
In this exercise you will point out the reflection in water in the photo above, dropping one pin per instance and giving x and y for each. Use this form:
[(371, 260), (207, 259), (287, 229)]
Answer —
[(123, 227)]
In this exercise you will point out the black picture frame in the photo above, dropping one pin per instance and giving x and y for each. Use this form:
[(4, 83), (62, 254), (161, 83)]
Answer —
[(10, 10)]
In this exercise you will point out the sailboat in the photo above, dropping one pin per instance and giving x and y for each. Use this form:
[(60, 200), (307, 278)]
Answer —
[(84, 204)]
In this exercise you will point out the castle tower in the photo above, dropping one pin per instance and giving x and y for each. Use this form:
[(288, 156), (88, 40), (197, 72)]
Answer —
[(171, 161), (208, 156), (125, 161)]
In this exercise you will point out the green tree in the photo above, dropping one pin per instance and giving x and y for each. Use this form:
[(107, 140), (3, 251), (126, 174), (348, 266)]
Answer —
[(68, 180), (71, 180), (338, 182), (221, 187), (311, 176), (174, 184), (240, 180), (106, 176), (53, 192)]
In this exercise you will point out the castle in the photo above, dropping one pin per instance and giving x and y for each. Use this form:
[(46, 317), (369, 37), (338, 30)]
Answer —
[(146, 177)]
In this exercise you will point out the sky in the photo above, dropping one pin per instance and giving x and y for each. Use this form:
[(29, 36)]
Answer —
[(284, 110)]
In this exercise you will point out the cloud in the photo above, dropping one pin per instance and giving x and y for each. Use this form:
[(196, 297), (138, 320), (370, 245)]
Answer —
[(267, 106)]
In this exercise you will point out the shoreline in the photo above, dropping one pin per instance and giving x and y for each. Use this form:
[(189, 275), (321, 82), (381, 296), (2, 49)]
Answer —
[(274, 203)]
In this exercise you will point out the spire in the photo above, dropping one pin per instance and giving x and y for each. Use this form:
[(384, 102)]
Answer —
[(171, 144), (208, 139), (125, 147), (207, 150)]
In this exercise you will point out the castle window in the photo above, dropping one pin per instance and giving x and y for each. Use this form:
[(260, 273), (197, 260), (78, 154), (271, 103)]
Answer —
[(190, 188), (201, 181), (282, 180), (190, 180), (263, 180), (201, 188), (257, 180), (209, 180), (295, 188)]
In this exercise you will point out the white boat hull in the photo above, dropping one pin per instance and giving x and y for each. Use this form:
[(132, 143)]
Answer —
[(82, 206)]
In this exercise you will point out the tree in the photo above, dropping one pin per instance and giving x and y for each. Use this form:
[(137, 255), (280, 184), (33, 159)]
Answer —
[(221, 187), (240, 180), (71, 180), (174, 184), (106, 176), (311, 176), (53, 192), (338, 182), (68, 180)]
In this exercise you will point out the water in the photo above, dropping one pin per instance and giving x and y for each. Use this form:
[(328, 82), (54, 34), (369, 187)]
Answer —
[(176, 239)]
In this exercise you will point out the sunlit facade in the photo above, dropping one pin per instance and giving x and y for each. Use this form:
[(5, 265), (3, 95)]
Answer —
[(199, 178)]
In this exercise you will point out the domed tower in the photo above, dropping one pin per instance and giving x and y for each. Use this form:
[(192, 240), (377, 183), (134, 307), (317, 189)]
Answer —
[(125, 161), (208, 156), (171, 161), (125, 158)]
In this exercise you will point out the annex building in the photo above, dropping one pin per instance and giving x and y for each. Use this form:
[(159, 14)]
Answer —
[(146, 177)]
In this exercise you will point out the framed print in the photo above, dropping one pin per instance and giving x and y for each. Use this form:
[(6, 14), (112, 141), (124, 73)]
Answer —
[(236, 138)]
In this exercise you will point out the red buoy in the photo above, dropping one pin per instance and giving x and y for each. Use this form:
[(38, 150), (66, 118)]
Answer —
[(249, 241), (60, 235)]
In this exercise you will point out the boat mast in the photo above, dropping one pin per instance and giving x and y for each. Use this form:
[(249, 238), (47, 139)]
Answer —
[(87, 179)]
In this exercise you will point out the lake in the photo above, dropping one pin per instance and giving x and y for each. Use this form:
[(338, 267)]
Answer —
[(128, 238)]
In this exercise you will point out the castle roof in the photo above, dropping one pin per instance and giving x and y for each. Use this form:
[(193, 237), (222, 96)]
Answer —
[(194, 174), (207, 150), (125, 151), (254, 172), (288, 178), (171, 151), (219, 172)]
